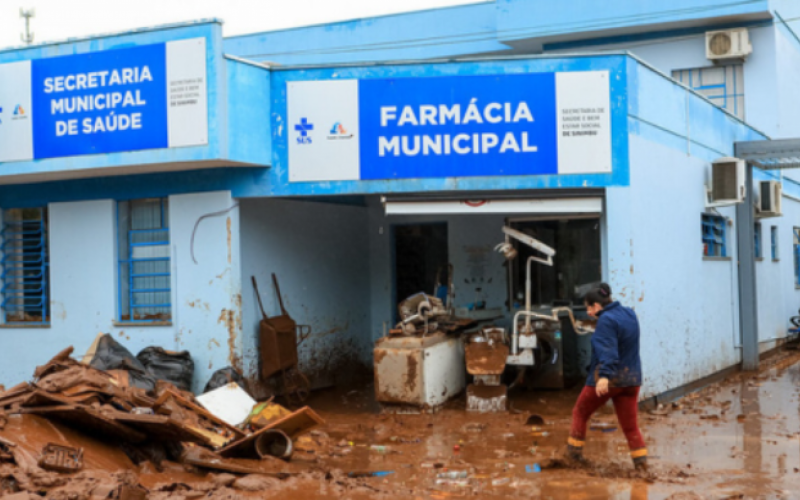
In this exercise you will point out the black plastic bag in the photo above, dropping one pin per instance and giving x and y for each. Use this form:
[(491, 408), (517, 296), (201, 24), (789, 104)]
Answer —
[(176, 368), (111, 355), (223, 377)]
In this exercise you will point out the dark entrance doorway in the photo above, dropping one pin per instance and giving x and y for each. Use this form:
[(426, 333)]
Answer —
[(419, 251)]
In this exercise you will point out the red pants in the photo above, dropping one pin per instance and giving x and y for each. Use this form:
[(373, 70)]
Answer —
[(625, 399)]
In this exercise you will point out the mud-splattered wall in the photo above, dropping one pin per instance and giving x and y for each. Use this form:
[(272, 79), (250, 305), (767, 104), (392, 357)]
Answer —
[(319, 251), (83, 274)]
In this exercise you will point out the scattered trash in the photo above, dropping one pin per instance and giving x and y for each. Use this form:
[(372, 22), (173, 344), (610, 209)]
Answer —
[(534, 420), (453, 474), (603, 427), (533, 468), (379, 473), (230, 403), (500, 481), (61, 458), (274, 443), (223, 377), (108, 354), (431, 465), (660, 410), (459, 483), (176, 368)]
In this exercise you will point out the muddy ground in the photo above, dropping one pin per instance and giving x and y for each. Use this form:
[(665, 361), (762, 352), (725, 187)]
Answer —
[(736, 439)]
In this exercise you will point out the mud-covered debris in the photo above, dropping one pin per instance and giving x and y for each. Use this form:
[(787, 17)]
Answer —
[(534, 420), (473, 427), (61, 458), (221, 480), (22, 495), (660, 410), (256, 482)]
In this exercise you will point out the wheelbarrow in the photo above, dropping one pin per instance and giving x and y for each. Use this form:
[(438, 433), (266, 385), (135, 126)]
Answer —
[(279, 337)]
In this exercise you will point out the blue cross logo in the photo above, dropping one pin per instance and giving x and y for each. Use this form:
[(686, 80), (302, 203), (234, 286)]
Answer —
[(304, 127)]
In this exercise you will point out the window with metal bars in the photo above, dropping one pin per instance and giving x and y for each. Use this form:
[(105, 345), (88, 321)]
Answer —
[(145, 278), (722, 85), (714, 236), (26, 267)]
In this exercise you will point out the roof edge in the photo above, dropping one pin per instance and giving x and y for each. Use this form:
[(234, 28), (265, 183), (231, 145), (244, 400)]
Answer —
[(472, 3), (160, 27)]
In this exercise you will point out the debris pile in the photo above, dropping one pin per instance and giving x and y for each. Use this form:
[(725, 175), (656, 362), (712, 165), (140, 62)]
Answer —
[(151, 419)]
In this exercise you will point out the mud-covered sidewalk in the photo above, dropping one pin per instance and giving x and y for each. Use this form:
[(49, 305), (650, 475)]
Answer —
[(736, 439)]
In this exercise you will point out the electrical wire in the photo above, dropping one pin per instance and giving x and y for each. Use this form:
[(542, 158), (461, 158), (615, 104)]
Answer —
[(212, 214)]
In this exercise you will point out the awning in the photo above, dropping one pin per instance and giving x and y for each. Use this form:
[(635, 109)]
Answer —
[(421, 206)]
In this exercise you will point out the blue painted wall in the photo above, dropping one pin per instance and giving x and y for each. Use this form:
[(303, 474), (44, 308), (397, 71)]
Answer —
[(248, 110)]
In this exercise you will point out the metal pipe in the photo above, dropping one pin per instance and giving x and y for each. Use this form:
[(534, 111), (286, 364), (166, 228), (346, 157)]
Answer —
[(528, 294)]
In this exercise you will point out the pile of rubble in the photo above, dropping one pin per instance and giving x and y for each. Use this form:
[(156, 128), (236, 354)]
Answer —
[(157, 426)]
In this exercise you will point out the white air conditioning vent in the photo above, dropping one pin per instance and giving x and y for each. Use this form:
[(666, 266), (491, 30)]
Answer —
[(728, 44), (727, 182), (769, 199)]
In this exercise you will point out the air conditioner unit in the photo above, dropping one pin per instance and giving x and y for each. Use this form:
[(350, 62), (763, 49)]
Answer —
[(728, 44), (727, 182), (769, 199)]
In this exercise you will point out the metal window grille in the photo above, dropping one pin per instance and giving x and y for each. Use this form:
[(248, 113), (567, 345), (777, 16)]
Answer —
[(26, 266), (714, 236), (757, 236), (722, 85), (774, 241), (145, 278), (797, 255)]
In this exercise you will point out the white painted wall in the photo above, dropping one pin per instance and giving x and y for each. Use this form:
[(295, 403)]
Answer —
[(83, 273)]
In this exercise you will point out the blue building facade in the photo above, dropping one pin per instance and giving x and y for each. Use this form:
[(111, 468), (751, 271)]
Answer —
[(311, 153)]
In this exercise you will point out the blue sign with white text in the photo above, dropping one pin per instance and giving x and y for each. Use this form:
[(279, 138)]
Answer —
[(101, 102), (458, 126)]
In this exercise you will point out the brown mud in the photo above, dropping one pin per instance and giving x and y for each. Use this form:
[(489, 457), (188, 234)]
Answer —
[(736, 439)]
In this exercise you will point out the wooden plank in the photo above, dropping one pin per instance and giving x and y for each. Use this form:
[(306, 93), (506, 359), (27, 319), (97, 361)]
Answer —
[(169, 393), (294, 424), (92, 422), (209, 460), (163, 428)]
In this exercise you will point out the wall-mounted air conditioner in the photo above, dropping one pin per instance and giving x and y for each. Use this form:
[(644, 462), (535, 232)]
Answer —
[(727, 182), (728, 44), (769, 199)]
